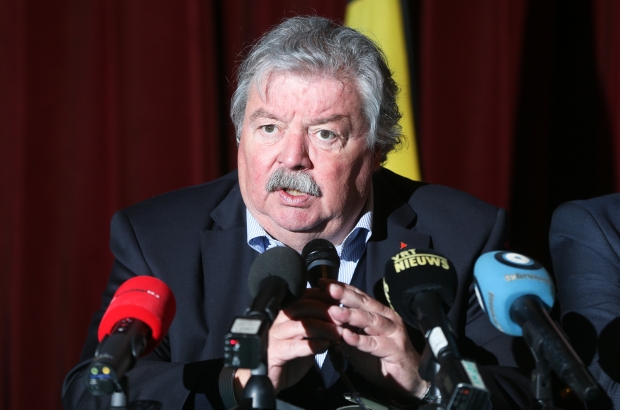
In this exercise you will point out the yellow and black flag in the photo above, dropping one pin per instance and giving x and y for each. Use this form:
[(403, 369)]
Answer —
[(382, 20)]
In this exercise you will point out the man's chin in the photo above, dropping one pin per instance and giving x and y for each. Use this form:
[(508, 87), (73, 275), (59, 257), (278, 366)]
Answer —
[(300, 228), (297, 221)]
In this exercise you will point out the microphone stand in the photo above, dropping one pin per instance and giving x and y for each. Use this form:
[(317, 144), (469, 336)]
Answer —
[(336, 355), (550, 353), (429, 367), (258, 392), (541, 385), (541, 375), (119, 398)]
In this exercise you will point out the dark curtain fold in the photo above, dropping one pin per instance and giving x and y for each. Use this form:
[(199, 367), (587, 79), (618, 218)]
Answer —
[(106, 103), (563, 120), (469, 80), (520, 104)]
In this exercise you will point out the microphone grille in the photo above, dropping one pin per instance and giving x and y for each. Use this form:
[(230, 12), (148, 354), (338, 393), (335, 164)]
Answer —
[(279, 261), (318, 249), (413, 271), (502, 277)]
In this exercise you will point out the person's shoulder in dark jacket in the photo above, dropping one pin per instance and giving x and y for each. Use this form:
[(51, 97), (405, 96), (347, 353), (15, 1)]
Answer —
[(585, 248)]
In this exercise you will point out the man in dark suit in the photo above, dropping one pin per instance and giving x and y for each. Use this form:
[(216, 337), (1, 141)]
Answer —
[(316, 115), (585, 249)]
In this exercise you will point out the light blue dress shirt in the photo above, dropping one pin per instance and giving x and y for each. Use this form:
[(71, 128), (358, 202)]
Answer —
[(350, 250)]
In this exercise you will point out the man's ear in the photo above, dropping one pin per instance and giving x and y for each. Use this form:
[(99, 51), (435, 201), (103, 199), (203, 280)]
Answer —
[(377, 159)]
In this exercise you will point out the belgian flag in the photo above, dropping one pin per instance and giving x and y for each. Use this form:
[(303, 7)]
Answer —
[(382, 21)]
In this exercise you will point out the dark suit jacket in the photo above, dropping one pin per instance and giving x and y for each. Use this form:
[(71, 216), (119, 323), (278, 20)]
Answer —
[(585, 248), (194, 239)]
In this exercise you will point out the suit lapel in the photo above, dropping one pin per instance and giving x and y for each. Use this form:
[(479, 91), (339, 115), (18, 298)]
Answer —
[(394, 228), (226, 261)]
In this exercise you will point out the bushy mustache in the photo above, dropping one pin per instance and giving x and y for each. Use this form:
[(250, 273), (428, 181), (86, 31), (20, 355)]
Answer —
[(298, 180)]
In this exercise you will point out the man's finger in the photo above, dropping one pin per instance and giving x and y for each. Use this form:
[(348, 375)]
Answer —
[(352, 297), (304, 329), (371, 323), (307, 308)]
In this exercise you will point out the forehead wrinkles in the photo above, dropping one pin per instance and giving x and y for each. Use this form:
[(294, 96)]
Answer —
[(304, 84), (347, 87), (262, 113)]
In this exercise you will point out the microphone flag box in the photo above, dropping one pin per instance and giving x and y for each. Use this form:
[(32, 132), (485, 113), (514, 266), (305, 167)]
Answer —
[(244, 345)]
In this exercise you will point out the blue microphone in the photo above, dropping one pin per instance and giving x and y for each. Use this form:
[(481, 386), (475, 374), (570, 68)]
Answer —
[(502, 278), (516, 292)]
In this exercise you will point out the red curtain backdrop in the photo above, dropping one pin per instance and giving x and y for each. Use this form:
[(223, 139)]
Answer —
[(469, 77), (104, 103), (520, 105)]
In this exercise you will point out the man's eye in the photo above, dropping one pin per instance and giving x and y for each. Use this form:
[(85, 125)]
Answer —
[(326, 135), (269, 129)]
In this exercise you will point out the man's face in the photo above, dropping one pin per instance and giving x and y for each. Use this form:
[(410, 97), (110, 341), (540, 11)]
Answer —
[(313, 125)]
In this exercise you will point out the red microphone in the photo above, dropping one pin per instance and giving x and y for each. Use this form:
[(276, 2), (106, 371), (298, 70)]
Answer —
[(135, 322)]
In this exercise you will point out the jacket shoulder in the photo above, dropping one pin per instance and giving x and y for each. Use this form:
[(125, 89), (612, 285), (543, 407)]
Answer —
[(436, 200), (604, 209), (452, 218), (189, 205), (594, 222)]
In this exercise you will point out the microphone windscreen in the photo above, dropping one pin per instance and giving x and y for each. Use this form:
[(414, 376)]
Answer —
[(321, 259), (413, 271), (501, 278), (279, 261), (145, 298)]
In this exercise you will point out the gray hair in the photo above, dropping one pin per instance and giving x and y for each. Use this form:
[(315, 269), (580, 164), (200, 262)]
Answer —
[(318, 46)]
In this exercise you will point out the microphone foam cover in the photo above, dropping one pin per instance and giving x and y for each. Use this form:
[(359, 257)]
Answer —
[(283, 262), (413, 271), (145, 298), (501, 278)]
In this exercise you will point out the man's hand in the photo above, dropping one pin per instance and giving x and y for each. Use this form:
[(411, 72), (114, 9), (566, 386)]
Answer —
[(299, 332), (376, 340)]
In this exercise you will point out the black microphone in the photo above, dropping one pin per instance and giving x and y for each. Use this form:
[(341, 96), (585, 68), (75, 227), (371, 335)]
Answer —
[(517, 292), (321, 259), (277, 278), (420, 285), (323, 262)]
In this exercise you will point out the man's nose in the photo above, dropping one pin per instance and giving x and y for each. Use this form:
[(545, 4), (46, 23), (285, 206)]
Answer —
[(294, 151)]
